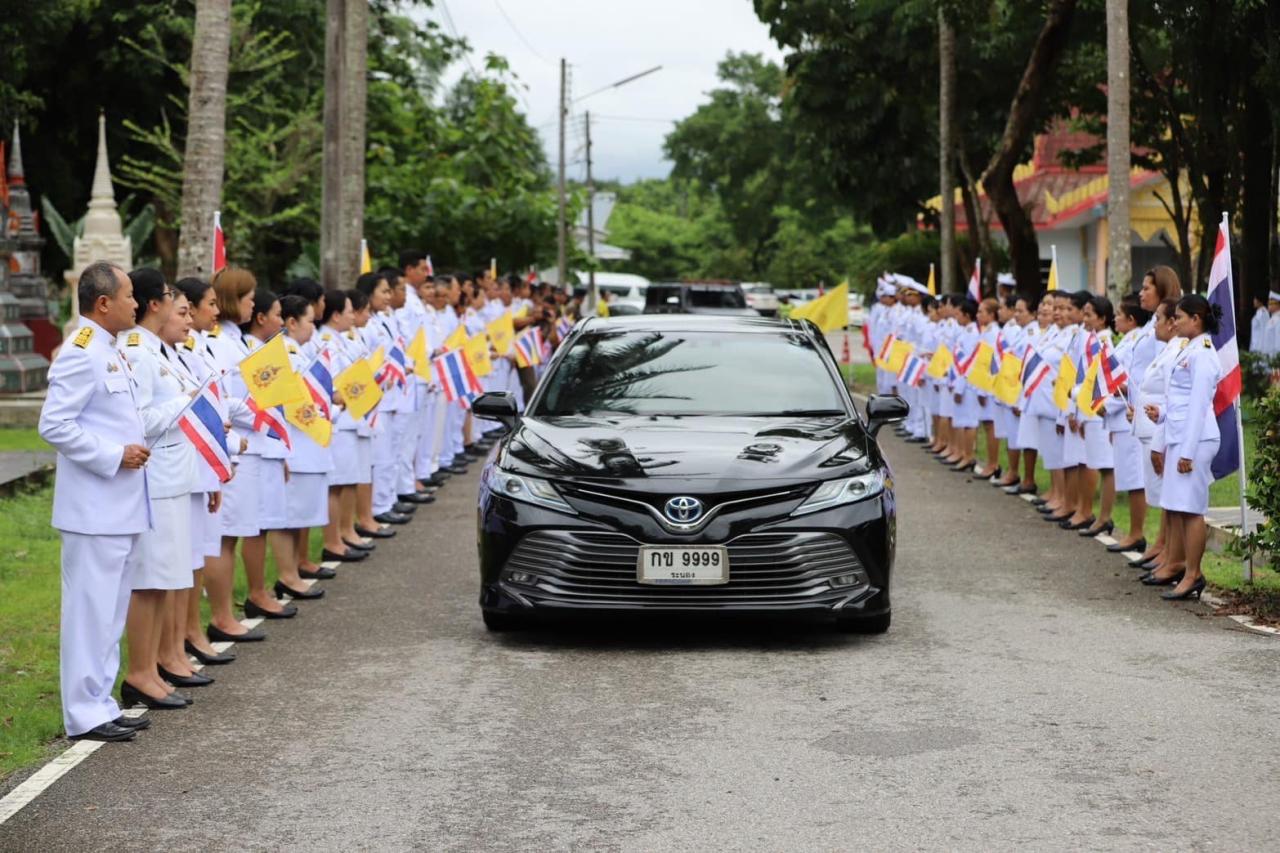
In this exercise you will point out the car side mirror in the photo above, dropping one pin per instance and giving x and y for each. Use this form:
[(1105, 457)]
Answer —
[(497, 406), (888, 409)]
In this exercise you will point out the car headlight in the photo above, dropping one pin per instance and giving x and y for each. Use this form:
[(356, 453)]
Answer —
[(844, 491), (531, 490)]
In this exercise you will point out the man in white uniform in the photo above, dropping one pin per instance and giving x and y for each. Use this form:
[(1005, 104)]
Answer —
[(100, 503)]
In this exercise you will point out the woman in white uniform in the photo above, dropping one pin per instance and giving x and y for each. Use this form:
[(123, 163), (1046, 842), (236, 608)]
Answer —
[(964, 417), (1151, 392), (1191, 436), (988, 333), (1131, 321), (366, 429), (1099, 462), (1079, 500), (165, 550)]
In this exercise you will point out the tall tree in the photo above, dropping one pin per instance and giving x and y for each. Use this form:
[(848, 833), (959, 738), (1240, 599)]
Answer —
[(947, 147), (1024, 112), (355, 69), (204, 157), (331, 198), (1120, 261)]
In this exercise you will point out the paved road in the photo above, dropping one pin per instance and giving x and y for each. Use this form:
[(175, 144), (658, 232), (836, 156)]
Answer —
[(1028, 695)]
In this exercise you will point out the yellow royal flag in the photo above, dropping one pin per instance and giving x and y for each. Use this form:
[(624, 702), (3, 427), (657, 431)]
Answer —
[(1009, 380), (941, 362), (829, 312), (1053, 270), (502, 332), (979, 375), (1065, 382), (360, 393), (376, 359), (493, 269), (898, 355), (418, 352), (309, 420), (933, 283), (477, 350), (366, 260), (1085, 398), (458, 339), (270, 378), (522, 313)]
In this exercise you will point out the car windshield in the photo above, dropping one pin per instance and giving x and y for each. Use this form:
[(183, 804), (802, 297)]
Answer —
[(716, 297), (691, 373)]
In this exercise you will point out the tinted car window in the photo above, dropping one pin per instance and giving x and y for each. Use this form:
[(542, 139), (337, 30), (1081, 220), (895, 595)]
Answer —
[(691, 373), (716, 297), (658, 295)]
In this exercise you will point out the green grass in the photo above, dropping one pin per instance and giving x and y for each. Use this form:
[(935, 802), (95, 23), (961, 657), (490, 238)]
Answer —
[(862, 377), (30, 590), (21, 438)]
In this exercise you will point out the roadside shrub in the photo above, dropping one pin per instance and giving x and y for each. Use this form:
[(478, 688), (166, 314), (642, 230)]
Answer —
[(1264, 485)]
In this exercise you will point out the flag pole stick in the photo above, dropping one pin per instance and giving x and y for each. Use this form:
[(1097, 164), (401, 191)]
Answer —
[(1239, 406), (191, 401)]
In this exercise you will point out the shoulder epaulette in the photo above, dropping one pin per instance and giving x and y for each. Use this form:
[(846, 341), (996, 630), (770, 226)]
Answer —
[(216, 330), (325, 336), (133, 340), (1208, 344), (293, 349), (83, 337), (351, 335), (1184, 343), (190, 344)]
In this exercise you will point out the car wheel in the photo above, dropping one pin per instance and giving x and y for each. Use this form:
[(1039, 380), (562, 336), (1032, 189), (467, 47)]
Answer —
[(866, 624), (495, 621)]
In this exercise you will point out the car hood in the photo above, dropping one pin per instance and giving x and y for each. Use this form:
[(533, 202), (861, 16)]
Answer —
[(694, 453)]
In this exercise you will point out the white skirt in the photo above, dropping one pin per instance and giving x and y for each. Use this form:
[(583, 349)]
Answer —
[(1189, 492), (272, 511), (165, 551), (965, 413), (1128, 452), (1028, 432), (352, 458), (1050, 444), (242, 498), (206, 530), (1150, 479), (1098, 452), (306, 500), (1073, 452)]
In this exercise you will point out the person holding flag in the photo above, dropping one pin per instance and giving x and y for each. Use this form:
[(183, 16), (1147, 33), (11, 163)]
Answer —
[(1131, 323), (1090, 413), (984, 370), (1037, 318), (964, 416)]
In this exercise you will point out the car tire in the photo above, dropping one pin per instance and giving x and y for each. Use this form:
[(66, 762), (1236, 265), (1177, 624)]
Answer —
[(497, 622), (866, 624)]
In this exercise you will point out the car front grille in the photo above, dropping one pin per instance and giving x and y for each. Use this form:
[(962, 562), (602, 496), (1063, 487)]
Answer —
[(766, 570)]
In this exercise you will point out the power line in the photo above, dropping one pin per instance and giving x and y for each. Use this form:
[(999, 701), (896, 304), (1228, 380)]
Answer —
[(448, 19), (519, 34), (636, 118)]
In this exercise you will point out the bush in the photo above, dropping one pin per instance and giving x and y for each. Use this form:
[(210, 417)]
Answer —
[(1255, 372), (1264, 485)]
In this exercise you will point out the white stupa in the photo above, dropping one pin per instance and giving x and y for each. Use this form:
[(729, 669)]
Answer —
[(103, 238)]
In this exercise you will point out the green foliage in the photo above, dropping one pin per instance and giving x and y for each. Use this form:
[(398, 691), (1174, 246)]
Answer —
[(1263, 490), (138, 227)]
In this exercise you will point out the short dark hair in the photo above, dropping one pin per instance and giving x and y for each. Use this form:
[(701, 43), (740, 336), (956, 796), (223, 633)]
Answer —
[(1131, 307), (969, 308), (193, 288), (308, 288), (359, 299), (411, 258), (293, 306), (263, 299), (367, 283), (1032, 300), (1103, 308), (98, 279), (148, 286), (334, 301), (1080, 298), (1195, 305), (392, 275)]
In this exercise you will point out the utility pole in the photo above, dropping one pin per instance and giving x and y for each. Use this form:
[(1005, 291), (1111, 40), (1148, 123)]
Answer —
[(331, 230), (562, 264), (591, 219)]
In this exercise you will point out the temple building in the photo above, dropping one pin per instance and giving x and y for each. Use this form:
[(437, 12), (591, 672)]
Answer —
[(24, 292)]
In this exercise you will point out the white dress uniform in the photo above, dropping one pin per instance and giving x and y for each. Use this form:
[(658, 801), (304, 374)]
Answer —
[(242, 496), (100, 509), (306, 492), (1258, 330), (409, 319), (1025, 431), (1151, 392), (378, 333), (1126, 449), (987, 410), (964, 413), (351, 462), (206, 527), (1053, 343), (162, 395), (1190, 426), (1073, 444)]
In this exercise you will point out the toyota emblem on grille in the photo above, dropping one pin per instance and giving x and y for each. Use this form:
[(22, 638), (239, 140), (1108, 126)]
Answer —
[(683, 509)]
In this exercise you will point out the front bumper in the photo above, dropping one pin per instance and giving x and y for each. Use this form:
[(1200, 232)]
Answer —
[(794, 566)]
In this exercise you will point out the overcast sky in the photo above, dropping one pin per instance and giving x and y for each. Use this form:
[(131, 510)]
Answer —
[(605, 41)]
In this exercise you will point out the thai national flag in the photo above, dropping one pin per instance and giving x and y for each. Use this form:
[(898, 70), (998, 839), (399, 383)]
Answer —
[(965, 361), (528, 349), (219, 244), (975, 282), (564, 327), (1113, 372), (394, 369), (1092, 348), (457, 380), (1224, 341), (270, 422), (544, 346), (1034, 371), (202, 424), (320, 383), (886, 347), (912, 372)]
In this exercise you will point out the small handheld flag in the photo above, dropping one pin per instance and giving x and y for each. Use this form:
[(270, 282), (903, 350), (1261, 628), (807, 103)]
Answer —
[(457, 338), (941, 362), (202, 425), (270, 422), (502, 332), (360, 392), (418, 352), (270, 377), (912, 372), (366, 260), (477, 350), (219, 245), (527, 351), (456, 377), (975, 281)]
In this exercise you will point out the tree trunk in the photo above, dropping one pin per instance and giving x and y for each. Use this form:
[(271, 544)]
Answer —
[(1120, 266), (1024, 251), (203, 159), (331, 220), (978, 230), (946, 148), (355, 71)]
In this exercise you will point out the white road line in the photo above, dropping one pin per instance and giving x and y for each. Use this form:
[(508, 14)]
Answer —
[(1028, 497), (46, 776), (221, 647), (251, 623), (330, 564), (1132, 555), (1105, 539)]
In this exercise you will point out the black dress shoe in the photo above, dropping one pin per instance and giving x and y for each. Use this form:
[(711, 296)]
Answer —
[(375, 534), (288, 611), (439, 478), (107, 733), (253, 635), (1039, 501), (319, 573), (1150, 579), (1027, 490), (352, 555), (416, 498), (405, 509), (1139, 546), (195, 679), (1098, 531), (1056, 519), (1079, 525), (130, 696), (218, 659), (368, 549), (1139, 560), (135, 723), (457, 468), (304, 594), (391, 518), (1192, 591)]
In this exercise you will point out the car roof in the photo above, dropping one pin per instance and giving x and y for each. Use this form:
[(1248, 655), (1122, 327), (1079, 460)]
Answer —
[(696, 323)]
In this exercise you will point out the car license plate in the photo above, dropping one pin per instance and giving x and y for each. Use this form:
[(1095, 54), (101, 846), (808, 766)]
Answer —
[(684, 565)]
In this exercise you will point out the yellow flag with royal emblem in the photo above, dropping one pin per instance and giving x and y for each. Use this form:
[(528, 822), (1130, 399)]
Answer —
[(829, 312), (477, 350), (898, 355), (457, 339), (502, 332), (366, 260), (1065, 382), (360, 392), (979, 375), (941, 362), (307, 417), (270, 377), (1009, 380), (376, 359), (418, 352)]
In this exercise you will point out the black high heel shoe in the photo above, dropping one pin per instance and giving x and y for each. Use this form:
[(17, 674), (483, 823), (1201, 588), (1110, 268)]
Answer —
[(1056, 519), (1192, 591), (251, 610), (303, 594), (130, 696), (1079, 525), (196, 679), (1150, 579), (208, 660), (1098, 531), (966, 466), (1140, 546)]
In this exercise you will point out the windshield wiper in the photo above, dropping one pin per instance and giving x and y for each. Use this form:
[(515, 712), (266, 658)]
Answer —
[(796, 413)]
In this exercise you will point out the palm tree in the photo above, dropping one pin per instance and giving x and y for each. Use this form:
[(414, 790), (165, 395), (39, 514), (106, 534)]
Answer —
[(1119, 268), (203, 160)]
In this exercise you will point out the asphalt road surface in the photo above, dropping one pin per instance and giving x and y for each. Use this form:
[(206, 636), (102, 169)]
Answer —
[(1029, 695)]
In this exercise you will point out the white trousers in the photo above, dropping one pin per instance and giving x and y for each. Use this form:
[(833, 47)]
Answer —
[(457, 419), (384, 464), (440, 423), (408, 427), (425, 462), (96, 573)]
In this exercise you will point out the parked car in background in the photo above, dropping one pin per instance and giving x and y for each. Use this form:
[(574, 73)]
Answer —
[(622, 288), (697, 297), (798, 296), (761, 298)]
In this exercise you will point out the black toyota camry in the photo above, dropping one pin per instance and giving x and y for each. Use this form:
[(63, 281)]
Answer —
[(688, 464)]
